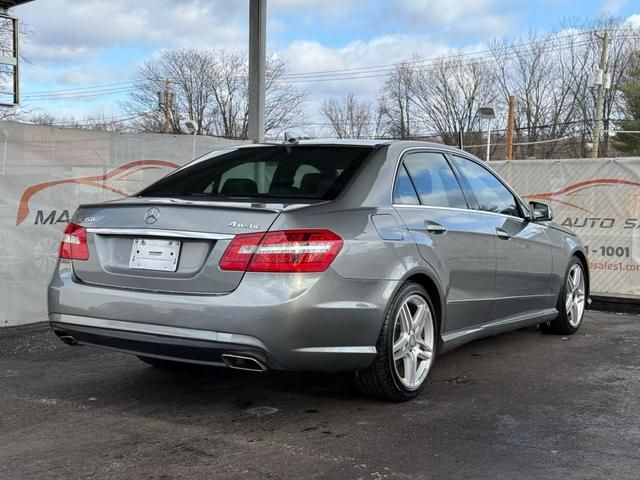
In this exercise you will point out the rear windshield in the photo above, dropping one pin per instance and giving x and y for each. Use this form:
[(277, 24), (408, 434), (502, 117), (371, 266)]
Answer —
[(297, 172)]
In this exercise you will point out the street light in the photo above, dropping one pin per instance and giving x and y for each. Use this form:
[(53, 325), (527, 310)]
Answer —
[(488, 113)]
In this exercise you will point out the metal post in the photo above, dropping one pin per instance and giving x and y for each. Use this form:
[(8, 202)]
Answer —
[(257, 68), (488, 140), (16, 69), (508, 154), (597, 127), (166, 106)]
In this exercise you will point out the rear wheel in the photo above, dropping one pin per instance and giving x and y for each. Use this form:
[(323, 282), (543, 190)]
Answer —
[(406, 348), (572, 301)]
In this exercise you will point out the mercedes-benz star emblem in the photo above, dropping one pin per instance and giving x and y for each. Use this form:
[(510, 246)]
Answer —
[(151, 215)]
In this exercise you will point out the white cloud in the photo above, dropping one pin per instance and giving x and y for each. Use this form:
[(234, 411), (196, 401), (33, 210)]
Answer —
[(66, 30), (634, 20), (383, 51), (613, 7), (68, 37), (310, 56), (445, 11)]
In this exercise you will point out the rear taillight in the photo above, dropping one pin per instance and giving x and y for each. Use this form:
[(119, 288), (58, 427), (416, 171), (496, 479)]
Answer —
[(74, 245), (282, 251)]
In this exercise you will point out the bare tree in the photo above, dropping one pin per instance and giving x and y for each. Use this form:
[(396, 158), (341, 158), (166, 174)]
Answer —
[(445, 96), (625, 40), (348, 117), (545, 73), (394, 103), (210, 87), (91, 122)]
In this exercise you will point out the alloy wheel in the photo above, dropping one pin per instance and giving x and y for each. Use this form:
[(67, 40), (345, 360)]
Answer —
[(575, 297), (413, 341)]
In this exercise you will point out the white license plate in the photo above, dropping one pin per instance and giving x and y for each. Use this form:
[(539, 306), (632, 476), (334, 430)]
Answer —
[(154, 254)]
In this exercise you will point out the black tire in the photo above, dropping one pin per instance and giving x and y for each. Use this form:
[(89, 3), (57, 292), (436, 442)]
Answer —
[(380, 380), (162, 363), (561, 325)]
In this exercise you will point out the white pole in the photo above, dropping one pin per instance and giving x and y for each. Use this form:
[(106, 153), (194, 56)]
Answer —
[(488, 140), (257, 68)]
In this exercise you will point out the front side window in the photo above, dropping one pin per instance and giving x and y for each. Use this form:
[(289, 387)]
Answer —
[(490, 193), (434, 180)]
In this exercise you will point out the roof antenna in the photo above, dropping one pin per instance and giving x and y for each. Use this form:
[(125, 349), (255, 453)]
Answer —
[(289, 139)]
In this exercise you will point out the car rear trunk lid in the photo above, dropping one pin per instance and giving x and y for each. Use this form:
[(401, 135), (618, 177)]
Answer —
[(166, 245)]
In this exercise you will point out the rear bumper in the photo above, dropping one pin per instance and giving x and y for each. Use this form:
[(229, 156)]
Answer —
[(319, 322), (172, 343)]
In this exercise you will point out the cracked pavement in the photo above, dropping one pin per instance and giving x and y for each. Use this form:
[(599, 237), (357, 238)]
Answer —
[(520, 405)]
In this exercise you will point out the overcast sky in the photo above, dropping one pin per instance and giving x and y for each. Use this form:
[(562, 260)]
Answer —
[(74, 44)]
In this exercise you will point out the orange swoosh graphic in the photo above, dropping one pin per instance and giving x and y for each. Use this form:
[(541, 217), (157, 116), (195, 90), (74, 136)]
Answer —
[(97, 181), (577, 187)]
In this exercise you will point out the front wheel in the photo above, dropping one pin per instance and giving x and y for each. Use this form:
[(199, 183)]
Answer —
[(406, 348), (571, 303)]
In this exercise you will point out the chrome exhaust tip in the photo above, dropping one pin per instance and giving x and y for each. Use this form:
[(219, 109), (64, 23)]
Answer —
[(68, 339), (242, 362)]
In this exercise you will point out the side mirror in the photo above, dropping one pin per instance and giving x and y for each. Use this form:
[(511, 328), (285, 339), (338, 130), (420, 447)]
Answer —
[(540, 212)]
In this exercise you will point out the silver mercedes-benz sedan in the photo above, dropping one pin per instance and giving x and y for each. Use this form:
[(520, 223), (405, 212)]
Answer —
[(370, 257)]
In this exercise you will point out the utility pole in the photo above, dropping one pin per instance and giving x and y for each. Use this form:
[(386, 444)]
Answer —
[(510, 125), (165, 102), (488, 140), (601, 80), (166, 106), (257, 68)]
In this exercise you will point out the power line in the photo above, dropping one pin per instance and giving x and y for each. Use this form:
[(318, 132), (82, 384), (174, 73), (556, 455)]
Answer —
[(452, 56), (88, 87), (80, 95), (354, 73), (385, 71)]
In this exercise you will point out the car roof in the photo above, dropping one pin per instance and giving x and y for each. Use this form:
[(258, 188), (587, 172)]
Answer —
[(368, 143)]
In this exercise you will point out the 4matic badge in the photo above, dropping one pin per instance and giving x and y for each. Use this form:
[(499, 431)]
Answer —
[(252, 226)]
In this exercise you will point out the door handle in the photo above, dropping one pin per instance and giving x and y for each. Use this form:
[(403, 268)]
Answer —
[(435, 228), (502, 234)]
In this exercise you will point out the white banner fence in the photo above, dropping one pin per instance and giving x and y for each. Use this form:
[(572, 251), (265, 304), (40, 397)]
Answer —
[(45, 173), (599, 199)]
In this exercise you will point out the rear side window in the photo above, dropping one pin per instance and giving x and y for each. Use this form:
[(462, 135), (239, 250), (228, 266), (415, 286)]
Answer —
[(490, 193), (287, 172), (405, 194), (434, 180)]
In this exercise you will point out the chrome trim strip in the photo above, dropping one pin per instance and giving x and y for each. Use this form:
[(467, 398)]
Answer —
[(494, 299), (426, 148), (150, 232), (488, 327), (150, 329), (371, 350), (462, 154), (395, 205)]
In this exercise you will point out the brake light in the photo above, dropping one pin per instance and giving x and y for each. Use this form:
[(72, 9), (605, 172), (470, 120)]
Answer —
[(282, 251), (74, 245), (239, 252)]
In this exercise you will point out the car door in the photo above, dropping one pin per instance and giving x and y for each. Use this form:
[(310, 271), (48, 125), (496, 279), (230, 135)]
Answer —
[(457, 242), (523, 252)]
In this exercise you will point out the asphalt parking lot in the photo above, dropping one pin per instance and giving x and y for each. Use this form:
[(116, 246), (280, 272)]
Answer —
[(520, 405)]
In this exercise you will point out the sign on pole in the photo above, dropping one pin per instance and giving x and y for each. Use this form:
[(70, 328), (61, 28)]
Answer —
[(9, 61)]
